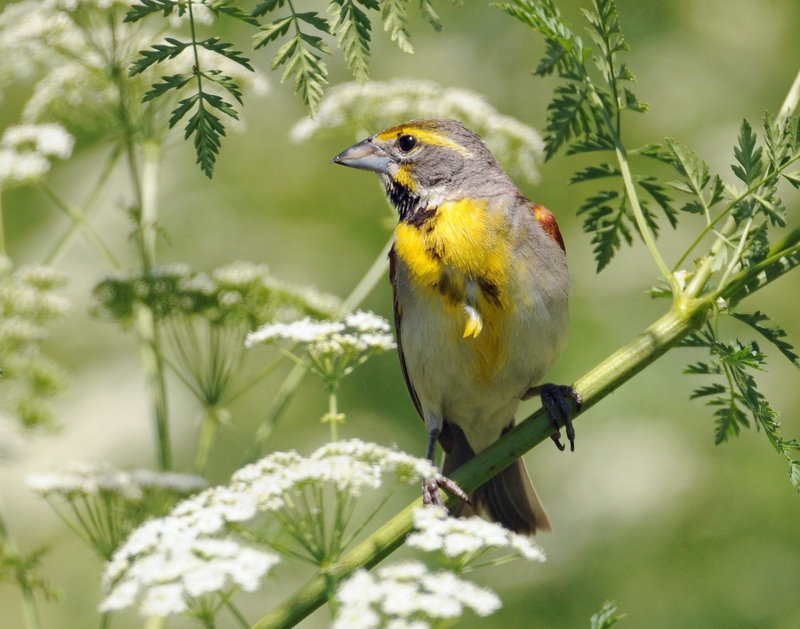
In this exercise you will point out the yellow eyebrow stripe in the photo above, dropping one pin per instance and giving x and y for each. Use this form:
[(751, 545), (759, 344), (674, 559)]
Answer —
[(425, 137)]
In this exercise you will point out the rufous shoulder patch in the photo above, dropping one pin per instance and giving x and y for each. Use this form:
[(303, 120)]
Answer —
[(548, 222)]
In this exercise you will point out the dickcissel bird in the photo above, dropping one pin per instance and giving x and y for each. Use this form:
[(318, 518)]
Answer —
[(480, 300)]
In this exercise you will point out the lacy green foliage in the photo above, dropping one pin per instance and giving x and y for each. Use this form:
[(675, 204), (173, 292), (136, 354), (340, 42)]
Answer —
[(740, 217), (734, 392), (301, 55), (585, 116), (29, 303), (24, 570), (606, 617), (204, 124), (240, 292)]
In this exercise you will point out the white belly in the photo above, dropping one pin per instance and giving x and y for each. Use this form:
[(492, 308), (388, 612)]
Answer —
[(447, 373)]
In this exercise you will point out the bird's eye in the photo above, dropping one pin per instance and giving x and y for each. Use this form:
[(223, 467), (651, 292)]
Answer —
[(406, 142)]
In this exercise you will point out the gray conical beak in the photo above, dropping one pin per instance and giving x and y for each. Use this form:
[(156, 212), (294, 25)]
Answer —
[(366, 156)]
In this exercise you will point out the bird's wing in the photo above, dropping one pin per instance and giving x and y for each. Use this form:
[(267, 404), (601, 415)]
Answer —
[(397, 317), (548, 222)]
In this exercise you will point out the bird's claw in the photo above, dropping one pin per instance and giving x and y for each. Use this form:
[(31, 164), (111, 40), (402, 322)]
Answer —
[(431, 494), (555, 402)]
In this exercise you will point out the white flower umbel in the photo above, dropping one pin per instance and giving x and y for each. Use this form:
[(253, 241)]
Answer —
[(332, 349), (461, 542), (28, 302), (409, 595), (67, 47), (25, 151), (104, 504), (168, 562), (369, 107)]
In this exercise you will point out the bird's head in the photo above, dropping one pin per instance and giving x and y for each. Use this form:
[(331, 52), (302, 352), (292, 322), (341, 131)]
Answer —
[(426, 162)]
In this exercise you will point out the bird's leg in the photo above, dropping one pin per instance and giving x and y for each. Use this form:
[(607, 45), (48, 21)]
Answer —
[(431, 486), (555, 402)]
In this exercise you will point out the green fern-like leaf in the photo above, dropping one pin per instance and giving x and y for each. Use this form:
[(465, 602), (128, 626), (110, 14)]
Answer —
[(167, 83), (774, 334), (567, 117), (749, 166), (157, 54), (149, 7), (395, 22), (352, 28), (426, 7), (609, 224), (301, 55), (606, 617), (214, 44)]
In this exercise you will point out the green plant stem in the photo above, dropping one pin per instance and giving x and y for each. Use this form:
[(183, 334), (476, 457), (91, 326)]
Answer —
[(29, 608), (63, 241), (146, 324), (145, 190), (333, 416), (79, 222), (208, 431), (374, 274), (2, 228), (609, 375), (630, 188), (790, 102)]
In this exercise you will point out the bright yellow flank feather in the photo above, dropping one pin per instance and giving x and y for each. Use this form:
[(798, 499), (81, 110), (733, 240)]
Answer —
[(461, 247)]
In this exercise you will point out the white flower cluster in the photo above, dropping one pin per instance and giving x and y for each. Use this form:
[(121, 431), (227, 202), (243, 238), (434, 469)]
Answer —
[(349, 466), (408, 596), (25, 151), (87, 479), (66, 44), (28, 302), (465, 538), (332, 349), (369, 107), (167, 561)]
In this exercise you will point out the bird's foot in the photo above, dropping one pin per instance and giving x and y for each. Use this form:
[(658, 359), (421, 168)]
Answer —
[(555, 400), (431, 494)]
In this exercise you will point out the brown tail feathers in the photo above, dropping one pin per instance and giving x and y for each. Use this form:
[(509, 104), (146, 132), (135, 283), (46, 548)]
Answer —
[(508, 498)]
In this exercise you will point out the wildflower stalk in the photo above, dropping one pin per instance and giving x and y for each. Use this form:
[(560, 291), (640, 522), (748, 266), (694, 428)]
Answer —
[(61, 243), (2, 229), (29, 607), (333, 418), (682, 319), (208, 431), (630, 188), (79, 222)]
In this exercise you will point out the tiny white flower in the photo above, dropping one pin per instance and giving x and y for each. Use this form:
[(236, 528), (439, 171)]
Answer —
[(407, 595), (163, 600), (462, 537), (352, 617), (121, 596)]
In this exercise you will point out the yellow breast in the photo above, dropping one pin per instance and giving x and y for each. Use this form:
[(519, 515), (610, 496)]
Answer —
[(463, 237), (461, 247)]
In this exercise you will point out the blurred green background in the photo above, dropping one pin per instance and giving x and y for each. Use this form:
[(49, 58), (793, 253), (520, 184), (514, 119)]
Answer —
[(647, 511)]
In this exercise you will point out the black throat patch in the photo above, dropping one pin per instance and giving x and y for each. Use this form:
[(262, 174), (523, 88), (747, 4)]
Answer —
[(408, 204)]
